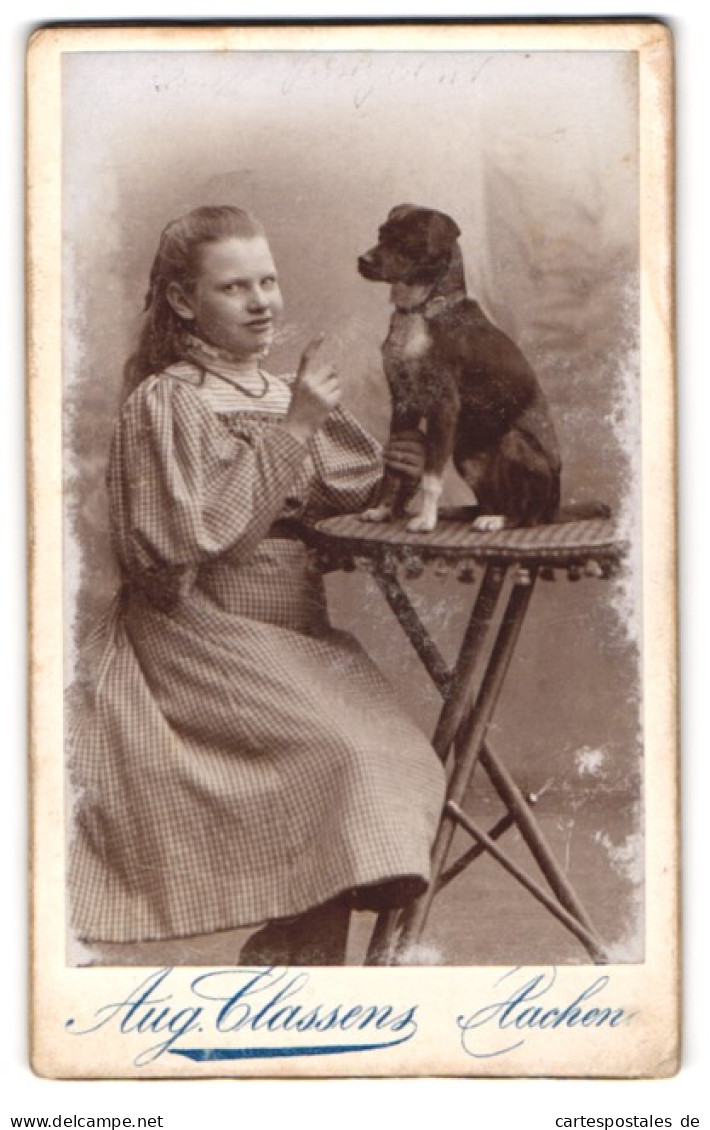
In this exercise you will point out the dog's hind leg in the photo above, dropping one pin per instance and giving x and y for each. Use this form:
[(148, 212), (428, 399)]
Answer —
[(492, 523), (520, 486)]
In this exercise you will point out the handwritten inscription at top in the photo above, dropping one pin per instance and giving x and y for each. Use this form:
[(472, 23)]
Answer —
[(366, 74)]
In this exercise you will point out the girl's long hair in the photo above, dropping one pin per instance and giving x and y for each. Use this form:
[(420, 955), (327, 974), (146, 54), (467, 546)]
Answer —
[(177, 261)]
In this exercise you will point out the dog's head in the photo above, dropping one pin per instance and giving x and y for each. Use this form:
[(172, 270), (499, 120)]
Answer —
[(414, 248)]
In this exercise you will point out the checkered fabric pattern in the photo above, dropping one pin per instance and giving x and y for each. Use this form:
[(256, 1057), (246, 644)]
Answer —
[(241, 759)]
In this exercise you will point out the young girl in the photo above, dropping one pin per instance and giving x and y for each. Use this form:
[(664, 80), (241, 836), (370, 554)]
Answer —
[(241, 762)]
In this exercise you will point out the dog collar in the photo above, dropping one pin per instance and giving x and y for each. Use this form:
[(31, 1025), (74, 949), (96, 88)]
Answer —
[(432, 307)]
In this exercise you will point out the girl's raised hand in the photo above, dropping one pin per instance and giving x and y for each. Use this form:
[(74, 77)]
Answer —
[(316, 392)]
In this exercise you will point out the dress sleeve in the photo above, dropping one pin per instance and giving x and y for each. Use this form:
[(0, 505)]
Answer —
[(348, 467), (183, 489)]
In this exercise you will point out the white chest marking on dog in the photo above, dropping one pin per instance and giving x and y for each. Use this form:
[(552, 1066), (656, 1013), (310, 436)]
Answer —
[(409, 336)]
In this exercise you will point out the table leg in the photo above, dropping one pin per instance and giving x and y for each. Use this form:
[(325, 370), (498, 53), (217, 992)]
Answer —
[(589, 938), (381, 945), (470, 667), (473, 853), (457, 687), (414, 629), (517, 805), (469, 736), (479, 681)]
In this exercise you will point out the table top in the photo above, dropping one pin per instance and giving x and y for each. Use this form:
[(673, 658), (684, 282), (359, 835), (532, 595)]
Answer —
[(561, 544)]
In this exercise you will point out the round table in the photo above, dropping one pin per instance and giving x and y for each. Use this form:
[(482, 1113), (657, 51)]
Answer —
[(502, 569)]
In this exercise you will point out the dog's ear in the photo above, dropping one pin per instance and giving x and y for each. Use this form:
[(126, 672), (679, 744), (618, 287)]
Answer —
[(441, 234), (400, 211)]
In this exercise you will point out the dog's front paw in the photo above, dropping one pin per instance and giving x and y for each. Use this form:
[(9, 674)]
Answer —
[(422, 523), (376, 514), (491, 523)]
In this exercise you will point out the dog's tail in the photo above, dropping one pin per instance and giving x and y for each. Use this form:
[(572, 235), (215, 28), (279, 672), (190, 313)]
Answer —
[(580, 511), (572, 512)]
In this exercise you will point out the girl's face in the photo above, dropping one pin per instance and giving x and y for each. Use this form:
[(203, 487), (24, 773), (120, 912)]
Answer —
[(236, 299)]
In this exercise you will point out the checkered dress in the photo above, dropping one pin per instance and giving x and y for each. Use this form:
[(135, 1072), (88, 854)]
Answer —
[(241, 760)]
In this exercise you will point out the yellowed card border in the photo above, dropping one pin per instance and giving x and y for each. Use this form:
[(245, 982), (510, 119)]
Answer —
[(649, 990)]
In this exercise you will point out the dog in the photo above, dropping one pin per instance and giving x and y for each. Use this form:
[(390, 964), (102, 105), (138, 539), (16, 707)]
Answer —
[(448, 365)]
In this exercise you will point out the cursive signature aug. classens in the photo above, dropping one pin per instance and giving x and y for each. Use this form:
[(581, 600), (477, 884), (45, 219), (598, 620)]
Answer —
[(245, 1003), (517, 1010)]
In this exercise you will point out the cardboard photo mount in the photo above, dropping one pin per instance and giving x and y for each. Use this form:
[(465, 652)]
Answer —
[(517, 130)]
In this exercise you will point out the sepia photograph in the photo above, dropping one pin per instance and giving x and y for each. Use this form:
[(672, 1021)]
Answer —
[(362, 362)]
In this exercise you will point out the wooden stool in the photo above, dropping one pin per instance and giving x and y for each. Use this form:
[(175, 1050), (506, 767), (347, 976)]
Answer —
[(509, 563)]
